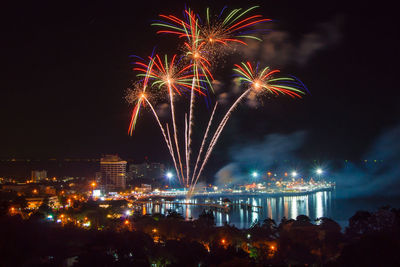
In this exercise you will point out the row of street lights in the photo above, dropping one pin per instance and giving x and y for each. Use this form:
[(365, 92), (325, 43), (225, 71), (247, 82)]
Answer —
[(294, 174), (169, 175)]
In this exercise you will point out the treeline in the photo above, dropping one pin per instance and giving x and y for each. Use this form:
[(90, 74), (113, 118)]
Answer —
[(371, 239)]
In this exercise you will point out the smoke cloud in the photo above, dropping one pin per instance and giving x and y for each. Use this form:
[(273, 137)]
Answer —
[(280, 48), (269, 153), (162, 110), (377, 174), (373, 178)]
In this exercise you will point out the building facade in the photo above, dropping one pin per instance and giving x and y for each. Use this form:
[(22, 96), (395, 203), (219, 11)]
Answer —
[(37, 176), (149, 173), (113, 173)]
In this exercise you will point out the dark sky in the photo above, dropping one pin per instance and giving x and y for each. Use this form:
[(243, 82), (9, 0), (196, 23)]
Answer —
[(66, 67)]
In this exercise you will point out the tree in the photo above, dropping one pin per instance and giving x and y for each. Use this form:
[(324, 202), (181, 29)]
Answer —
[(206, 218), (359, 223)]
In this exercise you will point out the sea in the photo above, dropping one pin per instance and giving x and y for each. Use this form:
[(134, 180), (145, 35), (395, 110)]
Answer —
[(244, 211)]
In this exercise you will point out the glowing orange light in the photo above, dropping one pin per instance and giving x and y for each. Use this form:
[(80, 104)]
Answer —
[(142, 95), (223, 241), (196, 55), (126, 222), (94, 184), (154, 230), (257, 85)]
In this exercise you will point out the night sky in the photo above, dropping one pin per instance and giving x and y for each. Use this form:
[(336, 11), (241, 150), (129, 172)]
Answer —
[(66, 67)]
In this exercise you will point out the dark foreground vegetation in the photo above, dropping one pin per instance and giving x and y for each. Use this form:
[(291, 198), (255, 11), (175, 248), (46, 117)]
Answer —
[(371, 239)]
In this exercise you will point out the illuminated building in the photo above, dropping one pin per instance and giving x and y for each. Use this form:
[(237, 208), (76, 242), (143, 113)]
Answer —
[(113, 173), (35, 202), (37, 176), (150, 173)]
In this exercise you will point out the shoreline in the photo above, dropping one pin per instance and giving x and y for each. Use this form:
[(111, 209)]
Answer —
[(251, 194)]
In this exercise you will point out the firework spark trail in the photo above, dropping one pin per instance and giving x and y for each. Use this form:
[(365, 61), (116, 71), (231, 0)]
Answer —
[(194, 47), (135, 114), (218, 133), (186, 144), (202, 144), (167, 141), (171, 98), (173, 155), (158, 121), (190, 129)]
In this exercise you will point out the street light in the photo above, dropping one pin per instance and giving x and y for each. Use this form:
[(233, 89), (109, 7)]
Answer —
[(93, 184), (294, 174), (254, 174), (319, 171), (169, 176)]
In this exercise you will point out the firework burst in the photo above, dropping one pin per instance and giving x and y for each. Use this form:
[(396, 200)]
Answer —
[(203, 42), (259, 82), (207, 41), (136, 95), (218, 32), (267, 80), (176, 79)]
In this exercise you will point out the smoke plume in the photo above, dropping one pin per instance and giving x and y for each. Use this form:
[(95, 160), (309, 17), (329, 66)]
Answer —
[(376, 174)]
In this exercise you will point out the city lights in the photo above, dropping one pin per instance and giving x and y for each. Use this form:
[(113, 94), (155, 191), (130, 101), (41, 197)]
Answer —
[(203, 147)]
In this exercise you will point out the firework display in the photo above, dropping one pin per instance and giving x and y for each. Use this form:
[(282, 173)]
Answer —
[(204, 40)]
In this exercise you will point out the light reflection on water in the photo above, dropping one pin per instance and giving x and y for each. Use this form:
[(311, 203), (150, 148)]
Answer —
[(313, 205)]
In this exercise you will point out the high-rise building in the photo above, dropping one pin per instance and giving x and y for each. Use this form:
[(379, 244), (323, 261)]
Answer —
[(151, 173), (113, 173), (37, 176)]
